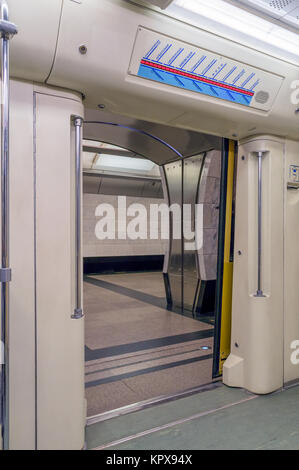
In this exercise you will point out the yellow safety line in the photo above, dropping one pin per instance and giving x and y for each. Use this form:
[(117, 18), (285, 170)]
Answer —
[(227, 286)]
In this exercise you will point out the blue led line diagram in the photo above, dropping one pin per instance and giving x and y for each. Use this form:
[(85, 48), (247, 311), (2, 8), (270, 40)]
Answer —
[(229, 73), (255, 85), (208, 67), (198, 63), (235, 85), (163, 52), (175, 56), (152, 49), (187, 59), (238, 77)]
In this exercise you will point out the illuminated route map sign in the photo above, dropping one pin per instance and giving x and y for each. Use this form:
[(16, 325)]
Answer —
[(159, 58)]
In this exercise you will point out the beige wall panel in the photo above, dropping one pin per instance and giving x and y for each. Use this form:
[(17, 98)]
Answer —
[(22, 309), (60, 368), (108, 29), (33, 49), (256, 360), (291, 324)]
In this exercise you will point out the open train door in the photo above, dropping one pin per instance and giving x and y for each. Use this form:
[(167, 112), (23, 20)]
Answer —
[(224, 286)]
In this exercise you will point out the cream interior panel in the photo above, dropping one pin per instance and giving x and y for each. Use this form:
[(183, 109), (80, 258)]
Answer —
[(33, 48), (256, 359), (108, 29), (22, 298), (291, 325), (60, 348)]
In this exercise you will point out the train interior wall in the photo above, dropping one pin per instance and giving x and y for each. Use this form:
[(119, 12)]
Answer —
[(40, 216)]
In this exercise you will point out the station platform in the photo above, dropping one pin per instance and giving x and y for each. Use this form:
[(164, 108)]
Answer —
[(135, 348)]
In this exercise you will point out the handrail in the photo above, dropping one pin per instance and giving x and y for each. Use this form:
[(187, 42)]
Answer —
[(259, 292), (78, 122), (7, 30)]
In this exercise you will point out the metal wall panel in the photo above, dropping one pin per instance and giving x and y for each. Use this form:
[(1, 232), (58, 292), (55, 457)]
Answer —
[(121, 186), (173, 177), (209, 196), (91, 185), (191, 181), (179, 141)]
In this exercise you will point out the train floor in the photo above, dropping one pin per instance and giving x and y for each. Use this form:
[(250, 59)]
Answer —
[(135, 348), (218, 419)]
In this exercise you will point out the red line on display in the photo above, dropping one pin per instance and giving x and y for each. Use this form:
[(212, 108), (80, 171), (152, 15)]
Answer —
[(195, 77)]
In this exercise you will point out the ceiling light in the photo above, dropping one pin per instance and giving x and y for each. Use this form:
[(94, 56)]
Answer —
[(286, 11), (124, 163), (238, 24)]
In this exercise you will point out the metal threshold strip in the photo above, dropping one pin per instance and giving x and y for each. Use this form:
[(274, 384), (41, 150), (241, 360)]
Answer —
[(142, 405), (173, 423)]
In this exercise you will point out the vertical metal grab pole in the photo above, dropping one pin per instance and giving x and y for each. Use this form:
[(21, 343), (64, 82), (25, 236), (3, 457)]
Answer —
[(7, 30), (78, 312), (259, 292)]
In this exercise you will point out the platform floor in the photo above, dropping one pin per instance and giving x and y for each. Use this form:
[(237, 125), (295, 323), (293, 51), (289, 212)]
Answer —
[(219, 419), (135, 348)]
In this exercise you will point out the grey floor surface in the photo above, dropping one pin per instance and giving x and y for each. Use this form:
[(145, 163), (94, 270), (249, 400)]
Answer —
[(222, 418)]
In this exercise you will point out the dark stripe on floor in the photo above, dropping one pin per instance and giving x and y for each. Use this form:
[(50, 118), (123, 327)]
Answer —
[(133, 294), (208, 320), (135, 373), (93, 354), (124, 357), (151, 359)]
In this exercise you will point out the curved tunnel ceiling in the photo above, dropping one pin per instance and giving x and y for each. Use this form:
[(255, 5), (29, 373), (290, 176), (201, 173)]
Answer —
[(179, 141)]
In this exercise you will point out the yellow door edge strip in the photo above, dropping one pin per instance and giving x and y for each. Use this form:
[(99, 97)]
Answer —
[(227, 283)]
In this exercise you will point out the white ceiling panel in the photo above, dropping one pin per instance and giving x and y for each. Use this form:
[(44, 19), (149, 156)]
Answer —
[(159, 3), (285, 11)]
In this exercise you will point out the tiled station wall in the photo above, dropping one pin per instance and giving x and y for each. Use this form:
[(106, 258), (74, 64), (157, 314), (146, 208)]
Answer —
[(93, 247)]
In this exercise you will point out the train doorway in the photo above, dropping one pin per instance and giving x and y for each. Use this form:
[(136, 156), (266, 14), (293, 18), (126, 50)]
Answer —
[(153, 299)]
